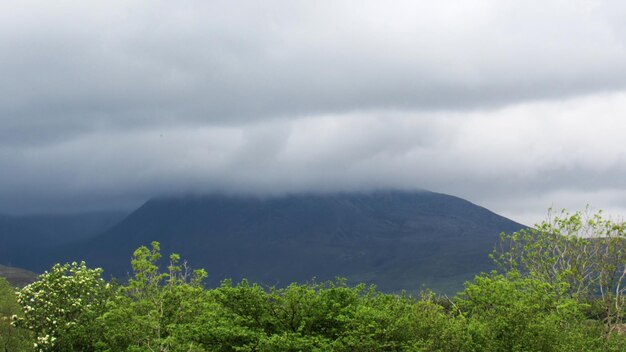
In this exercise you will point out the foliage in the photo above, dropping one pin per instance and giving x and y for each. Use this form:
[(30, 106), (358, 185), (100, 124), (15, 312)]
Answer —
[(11, 338), (60, 308), (145, 313), (532, 306), (583, 253), (524, 314)]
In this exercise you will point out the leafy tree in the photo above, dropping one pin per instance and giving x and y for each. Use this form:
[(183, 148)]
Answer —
[(381, 322), (144, 314), (528, 314), (11, 338), (61, 307), (583, 251)]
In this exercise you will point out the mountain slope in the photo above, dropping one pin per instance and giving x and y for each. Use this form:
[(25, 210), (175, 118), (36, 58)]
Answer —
[(66, 228), (397, 240), (29, 240), (18, 242)]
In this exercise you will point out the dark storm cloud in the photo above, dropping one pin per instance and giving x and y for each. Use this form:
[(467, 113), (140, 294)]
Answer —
[(514, 105)]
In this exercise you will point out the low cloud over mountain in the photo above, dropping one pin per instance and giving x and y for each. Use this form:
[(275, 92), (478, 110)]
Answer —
[(516, 106)]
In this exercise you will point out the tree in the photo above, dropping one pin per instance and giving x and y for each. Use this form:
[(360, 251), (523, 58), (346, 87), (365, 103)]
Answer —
[(60, 308), (145, 314), (585, 252), (517, 313), (11, 338)]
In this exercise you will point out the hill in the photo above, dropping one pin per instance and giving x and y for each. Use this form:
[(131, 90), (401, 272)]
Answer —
[(30, 240), (16, 276), (18, 242), (66, 228), (397, 240)]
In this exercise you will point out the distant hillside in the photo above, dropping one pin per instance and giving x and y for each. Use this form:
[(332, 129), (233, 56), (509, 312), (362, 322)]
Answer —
[(16, 276), (18, 241), (29, 240), (397, 240), (65, 228)]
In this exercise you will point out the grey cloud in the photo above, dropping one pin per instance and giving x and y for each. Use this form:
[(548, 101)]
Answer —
[(509, 104), (518, 160), (118, 64)]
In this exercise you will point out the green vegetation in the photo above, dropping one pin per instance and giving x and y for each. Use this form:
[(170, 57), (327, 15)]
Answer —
[(11, 338), (556, 291), (581, 254)]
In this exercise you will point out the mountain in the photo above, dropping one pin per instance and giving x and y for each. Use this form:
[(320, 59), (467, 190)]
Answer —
[(66, 228), (29, 240), (18, 241), (396, 240)]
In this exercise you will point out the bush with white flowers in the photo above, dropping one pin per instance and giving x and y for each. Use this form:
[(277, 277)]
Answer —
[(61, 306)]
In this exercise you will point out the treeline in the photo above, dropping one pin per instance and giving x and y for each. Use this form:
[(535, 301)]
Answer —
[(555, 291)]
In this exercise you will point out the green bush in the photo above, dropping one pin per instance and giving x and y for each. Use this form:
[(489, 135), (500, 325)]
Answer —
[(11, 338)]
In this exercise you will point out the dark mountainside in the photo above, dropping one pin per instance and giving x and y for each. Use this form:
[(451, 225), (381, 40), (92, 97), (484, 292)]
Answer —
[(18, 242), (397, 240), (65, 228), (29, 240)]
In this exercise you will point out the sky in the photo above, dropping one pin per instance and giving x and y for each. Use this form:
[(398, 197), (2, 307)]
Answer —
[(517, 106)]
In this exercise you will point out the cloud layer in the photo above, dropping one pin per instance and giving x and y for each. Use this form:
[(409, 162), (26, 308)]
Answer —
[(514, 105)]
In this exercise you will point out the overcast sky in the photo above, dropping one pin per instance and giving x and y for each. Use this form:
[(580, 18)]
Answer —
[(514, 105)]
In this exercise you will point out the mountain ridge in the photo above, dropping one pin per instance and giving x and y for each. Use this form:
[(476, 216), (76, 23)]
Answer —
[(29, 241), (397, 240)]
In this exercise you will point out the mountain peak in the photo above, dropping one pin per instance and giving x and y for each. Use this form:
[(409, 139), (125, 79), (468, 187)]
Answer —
[(397, 240)]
